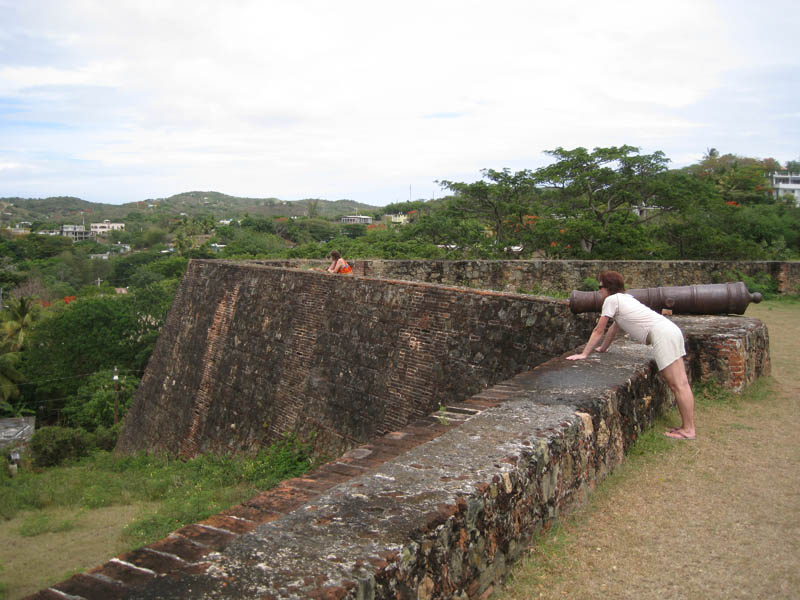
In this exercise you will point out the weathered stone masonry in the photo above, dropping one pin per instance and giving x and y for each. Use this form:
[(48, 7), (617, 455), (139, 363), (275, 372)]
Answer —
[(566, 275), (250, 352), (437, 508)]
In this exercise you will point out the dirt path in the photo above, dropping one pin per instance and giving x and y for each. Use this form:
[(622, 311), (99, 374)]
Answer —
[(714, 518)]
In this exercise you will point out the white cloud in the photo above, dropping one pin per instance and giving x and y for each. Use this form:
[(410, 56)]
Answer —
[(337, 99)]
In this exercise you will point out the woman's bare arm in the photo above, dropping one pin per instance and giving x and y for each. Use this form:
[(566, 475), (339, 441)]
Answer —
[(610, 335), (594, 339)]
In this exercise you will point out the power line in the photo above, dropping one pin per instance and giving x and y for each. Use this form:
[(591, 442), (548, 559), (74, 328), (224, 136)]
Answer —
[(40, 381)]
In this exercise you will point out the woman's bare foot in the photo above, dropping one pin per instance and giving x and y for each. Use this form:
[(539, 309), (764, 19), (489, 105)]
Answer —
[(679, 434)]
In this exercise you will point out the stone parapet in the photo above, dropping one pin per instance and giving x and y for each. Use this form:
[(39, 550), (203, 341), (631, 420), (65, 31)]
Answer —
[(249, 353), (441, 507), (566, 275)]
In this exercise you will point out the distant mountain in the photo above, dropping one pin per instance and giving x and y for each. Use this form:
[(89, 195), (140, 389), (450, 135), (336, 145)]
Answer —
[(66, 209)]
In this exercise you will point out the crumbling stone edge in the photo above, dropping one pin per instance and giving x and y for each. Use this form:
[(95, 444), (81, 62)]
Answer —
[(443, 507)]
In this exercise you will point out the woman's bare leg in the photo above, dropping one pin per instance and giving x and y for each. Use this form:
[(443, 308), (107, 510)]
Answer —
[(675, 376)]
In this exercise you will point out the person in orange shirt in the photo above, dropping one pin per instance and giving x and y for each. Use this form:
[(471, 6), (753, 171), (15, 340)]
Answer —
[(338, 264)]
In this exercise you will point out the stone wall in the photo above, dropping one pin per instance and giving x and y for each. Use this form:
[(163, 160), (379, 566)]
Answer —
[(442, 507), (250, 352), (566, 275)]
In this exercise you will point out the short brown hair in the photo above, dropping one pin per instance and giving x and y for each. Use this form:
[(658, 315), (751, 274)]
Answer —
[(612, 281), (335, 255)]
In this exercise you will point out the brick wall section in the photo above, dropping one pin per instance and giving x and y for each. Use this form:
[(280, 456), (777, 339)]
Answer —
[(565, 275), (250, 352), (211, 358), (736, 355), (437, 509)]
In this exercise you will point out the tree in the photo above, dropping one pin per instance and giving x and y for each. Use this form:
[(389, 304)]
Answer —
[(78, 339), (457, 236), (500, 200), (94, 403), (739, 179), (592, 193), (18, 319), (44, 246), (313, 208), (10, 377), (249, 243), (354, 230), (126, 266)]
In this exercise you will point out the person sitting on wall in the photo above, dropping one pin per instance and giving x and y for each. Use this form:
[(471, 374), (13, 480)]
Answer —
[(646, 326), (338, 264)]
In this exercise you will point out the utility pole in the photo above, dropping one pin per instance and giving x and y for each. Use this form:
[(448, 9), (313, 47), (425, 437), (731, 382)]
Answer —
[(116, 396)]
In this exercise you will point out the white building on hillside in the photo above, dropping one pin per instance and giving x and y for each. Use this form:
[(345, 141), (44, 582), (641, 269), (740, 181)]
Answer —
[(784, 183), (106, 226), (357, 219)]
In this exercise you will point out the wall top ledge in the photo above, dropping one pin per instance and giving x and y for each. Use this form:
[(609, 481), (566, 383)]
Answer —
[(376, 528)]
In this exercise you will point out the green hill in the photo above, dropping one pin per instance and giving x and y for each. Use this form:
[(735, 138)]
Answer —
[(65, 209)]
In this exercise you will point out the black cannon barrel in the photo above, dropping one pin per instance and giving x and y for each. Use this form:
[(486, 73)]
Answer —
[(705, 299)]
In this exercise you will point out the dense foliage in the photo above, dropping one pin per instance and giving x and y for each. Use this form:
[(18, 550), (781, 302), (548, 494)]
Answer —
[(65, 326)]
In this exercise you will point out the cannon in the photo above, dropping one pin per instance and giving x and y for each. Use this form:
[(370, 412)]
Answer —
[(705, 299)]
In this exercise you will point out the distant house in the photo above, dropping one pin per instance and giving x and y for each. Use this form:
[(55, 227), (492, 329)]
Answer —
[(399, 218), (786, 183), (106, 226), (78, 233), (357, 219)]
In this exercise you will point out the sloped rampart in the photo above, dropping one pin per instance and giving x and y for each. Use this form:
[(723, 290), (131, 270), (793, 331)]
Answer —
[(251, 352)]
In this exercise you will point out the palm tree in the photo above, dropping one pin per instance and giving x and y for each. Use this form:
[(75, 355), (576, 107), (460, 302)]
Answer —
[(17, 321), (9, 377)]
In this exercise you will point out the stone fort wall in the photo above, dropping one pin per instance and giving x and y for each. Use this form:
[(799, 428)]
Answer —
[(442, 507), (436, 508), (566, 275), (250, 352)]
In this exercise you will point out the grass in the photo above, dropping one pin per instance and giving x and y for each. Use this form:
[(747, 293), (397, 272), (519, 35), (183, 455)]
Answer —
[(41, 522), (691, 519), (183, 491), (538, 290), (551, 549)]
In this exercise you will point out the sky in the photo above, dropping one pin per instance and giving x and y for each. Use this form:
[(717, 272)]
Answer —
[(377, 101)]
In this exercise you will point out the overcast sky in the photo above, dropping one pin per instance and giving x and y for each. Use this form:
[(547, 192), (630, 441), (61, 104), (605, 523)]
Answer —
[(123, 100)]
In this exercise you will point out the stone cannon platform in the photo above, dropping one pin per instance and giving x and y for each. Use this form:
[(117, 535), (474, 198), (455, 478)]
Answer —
[(441, 507)]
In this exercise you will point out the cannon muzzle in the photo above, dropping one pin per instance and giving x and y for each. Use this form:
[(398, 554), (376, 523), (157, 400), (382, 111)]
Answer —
[(705, 299)]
